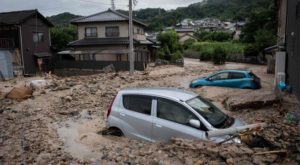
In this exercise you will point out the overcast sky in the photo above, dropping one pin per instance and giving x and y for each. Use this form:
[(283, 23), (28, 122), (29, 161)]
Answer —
[(86, 7)]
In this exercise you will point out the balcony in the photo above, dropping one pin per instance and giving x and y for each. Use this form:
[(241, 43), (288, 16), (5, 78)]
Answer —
[(139, 37), (7, 43)]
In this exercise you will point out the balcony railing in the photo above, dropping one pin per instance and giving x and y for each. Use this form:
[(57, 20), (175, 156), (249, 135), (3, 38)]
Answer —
[(91, 35), (7, 43)]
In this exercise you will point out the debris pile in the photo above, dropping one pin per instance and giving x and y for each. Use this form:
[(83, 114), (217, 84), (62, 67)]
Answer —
[(28, 129)]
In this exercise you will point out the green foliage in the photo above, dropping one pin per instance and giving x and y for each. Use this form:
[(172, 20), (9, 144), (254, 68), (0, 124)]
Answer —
[(170, 44), (265, 20), (63, 18), (205, 56), (224, 9), (212, 36), (219, 56), (188, 43), (229, 47), (251, 50), (62, 35), (175, 56), (264, 38)]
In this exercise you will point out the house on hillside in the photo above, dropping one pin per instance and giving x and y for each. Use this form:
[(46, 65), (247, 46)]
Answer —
[(25, 36), (185, 30), (287, 50), (103, 39)]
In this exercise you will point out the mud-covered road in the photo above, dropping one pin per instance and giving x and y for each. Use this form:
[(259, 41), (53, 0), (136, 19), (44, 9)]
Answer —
[(60, 124)]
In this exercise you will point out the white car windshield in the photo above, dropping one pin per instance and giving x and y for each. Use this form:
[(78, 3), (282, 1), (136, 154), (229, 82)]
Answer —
[(207, 110)]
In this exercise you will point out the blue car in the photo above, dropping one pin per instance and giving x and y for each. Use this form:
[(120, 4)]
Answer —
[(229, 78)]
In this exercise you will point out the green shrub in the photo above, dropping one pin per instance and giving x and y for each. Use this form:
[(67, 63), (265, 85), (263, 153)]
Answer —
[(188, 43), (251, 51), (219, 56), (175, 56), (205, 56), (191, 53)]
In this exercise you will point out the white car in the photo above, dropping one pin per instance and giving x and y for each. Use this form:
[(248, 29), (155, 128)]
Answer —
[(158, 114)]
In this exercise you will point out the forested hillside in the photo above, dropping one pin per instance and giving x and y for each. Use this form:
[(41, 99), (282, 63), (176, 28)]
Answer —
[(158, 18)]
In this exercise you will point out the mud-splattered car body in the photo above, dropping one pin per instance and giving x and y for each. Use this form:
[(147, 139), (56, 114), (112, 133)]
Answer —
[(159, 114)]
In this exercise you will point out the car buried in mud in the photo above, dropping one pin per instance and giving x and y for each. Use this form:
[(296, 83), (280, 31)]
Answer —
[(229, 78), (159, 114)]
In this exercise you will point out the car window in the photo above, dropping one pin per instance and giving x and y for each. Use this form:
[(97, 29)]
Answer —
[(138, 103), (170, 110), (253, 75), (220, 76), (235, 75)]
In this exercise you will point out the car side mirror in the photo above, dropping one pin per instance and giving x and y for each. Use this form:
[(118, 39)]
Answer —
[(195, 123), (210, 79)]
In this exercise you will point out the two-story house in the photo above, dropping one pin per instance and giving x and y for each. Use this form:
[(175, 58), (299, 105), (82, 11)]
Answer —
[(103, 39), (25, 41)]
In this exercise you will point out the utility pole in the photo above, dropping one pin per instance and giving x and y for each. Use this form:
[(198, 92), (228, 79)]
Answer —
[(113, 7), (131, 51)]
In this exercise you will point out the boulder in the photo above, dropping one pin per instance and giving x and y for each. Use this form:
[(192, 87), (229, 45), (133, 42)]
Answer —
[(251, 100), (20, 93)]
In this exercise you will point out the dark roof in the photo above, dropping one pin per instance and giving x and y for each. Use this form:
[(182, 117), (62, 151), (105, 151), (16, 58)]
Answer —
[(18, 17), (100, 41), (106, 16), (42, 54), (184, 29), (106, 41)]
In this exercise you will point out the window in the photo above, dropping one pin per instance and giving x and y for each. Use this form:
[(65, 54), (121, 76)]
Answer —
[(91, 32), (170, 110), (235, 75), (220, 76), (138, 103), (112, 31), (38, 37)]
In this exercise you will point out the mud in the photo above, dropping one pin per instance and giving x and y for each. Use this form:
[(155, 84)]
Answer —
[(60, 123)]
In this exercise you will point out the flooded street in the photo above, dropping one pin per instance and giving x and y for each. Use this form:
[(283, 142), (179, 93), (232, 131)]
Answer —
[(61, 123)]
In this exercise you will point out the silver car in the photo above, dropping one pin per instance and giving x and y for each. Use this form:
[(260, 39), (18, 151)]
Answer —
[(158, 114)]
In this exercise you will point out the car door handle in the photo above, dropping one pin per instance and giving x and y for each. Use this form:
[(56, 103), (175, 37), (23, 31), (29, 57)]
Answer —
[(122, 114), (157, 125)]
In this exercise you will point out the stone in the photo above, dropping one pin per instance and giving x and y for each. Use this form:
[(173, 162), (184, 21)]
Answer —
[(20, 93)]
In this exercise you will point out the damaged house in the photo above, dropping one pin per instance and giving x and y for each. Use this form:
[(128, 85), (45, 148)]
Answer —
[(24, 43), (103, 39)]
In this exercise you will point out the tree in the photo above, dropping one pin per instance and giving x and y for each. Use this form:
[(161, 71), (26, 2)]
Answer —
[(170, 44), (61, 36)]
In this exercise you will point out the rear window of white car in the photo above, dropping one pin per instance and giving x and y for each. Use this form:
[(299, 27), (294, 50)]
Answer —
[(138, 103)]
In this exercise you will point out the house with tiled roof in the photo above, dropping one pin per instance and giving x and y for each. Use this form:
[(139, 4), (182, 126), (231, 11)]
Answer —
[(25, 41), (103, 38)]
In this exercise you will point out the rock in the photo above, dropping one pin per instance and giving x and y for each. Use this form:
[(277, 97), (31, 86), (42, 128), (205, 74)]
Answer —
[(251, 100), (109, 68), (68, 98), (199, 162), (20, 93)]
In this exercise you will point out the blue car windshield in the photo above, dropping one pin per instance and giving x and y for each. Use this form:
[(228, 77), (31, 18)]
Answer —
[(207, 110)]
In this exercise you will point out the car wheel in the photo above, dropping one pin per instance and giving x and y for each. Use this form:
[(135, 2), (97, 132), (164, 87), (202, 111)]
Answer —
[(112, 131)]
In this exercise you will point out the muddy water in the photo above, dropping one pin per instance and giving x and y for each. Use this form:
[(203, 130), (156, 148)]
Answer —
[(80, 137)]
